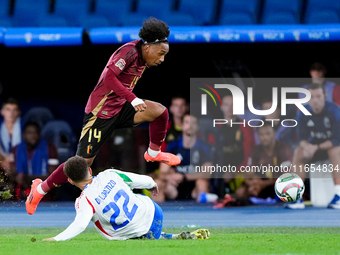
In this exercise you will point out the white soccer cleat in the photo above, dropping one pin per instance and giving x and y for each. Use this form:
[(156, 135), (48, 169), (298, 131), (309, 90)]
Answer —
[(298, 204)]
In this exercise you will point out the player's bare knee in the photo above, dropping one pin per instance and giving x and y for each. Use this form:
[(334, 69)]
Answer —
[(161, 184), (242, 191), (334, 152), (298, 153), (202, 185), (171, 192), (160, 109)]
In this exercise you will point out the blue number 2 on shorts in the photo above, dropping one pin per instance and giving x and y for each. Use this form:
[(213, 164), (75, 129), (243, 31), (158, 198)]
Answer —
[(115, 208)]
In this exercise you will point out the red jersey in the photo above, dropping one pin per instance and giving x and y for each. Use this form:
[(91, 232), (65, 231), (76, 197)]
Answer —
[(117, 81)]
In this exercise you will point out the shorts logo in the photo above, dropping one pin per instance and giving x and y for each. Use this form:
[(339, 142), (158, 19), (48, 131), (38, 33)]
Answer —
[(120, 64), (89, 149)]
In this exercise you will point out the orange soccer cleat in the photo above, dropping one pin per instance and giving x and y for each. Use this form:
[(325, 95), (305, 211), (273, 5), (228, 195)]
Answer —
[(226, 200), (164, 157), (34, 197)]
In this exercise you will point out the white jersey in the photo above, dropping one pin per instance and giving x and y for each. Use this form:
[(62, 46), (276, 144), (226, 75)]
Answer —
[(116, 212)]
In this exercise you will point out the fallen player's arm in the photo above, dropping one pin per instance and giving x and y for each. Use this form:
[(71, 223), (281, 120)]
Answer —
[(137, 181), (49, 239), (154, 191), (83, 217)]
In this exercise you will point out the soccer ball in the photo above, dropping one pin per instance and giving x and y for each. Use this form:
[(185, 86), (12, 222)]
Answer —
[(289, 187)]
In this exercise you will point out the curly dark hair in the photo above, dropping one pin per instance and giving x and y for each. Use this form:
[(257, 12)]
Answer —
[(76, 168), (154, 29)]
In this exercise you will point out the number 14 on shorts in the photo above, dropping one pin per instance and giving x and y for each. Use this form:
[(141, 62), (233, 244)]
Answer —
[(96, 134)]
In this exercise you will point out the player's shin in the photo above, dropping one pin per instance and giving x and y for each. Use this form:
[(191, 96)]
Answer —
[(157, 131), (57, 178)]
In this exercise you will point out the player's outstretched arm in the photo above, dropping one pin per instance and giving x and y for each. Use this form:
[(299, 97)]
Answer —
[(137, 181), (49, 239), (83, 217)]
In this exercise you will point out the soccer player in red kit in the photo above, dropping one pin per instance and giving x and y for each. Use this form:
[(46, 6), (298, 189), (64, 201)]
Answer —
[(112, 105)]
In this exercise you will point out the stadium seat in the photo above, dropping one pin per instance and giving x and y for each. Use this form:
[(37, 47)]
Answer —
[(280, 18), (76, 13), (237, 19), (322, 17), (61, 135), (40, 115), (314, 5), (239, 12), (281, 12), (53, 21), (91, 21), (5, 20), (28, 13), (145, 9), (179, 19), (4, 8), (71, 10), (172, 19), (322, 11), (134, 20), (202, 11), (113, 10), (154, 7)]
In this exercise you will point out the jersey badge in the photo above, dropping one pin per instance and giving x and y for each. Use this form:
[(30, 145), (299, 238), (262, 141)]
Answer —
[(120, 64), (310, 123)]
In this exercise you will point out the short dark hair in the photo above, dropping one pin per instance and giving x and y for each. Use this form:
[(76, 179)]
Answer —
[(313, 86), (11, 100), (76, 168), (266, 124), (154, 31), (33, 124), (317, 66), (190, 113), (178, 97)]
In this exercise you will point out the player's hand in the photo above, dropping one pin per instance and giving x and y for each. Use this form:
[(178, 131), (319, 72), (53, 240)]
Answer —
[(138, 104), (140, 107), (154, 191), (51, 239)]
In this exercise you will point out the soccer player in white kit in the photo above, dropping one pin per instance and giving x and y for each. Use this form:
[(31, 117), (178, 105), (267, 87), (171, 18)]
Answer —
[(117, 213)]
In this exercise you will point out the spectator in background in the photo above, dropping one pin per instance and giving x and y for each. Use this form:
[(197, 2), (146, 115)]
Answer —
[(34, 158), (234, 144), (282, 133), (174, 130), (319, 138), (332, 91), (270, 152), (238, 139), (182, 182), (10, 130)]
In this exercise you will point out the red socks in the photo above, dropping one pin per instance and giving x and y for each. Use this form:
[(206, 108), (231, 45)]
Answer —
[(57, 178), (157, 131)]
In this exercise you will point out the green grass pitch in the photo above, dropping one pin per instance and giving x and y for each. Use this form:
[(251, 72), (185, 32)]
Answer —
[(266, 240)]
